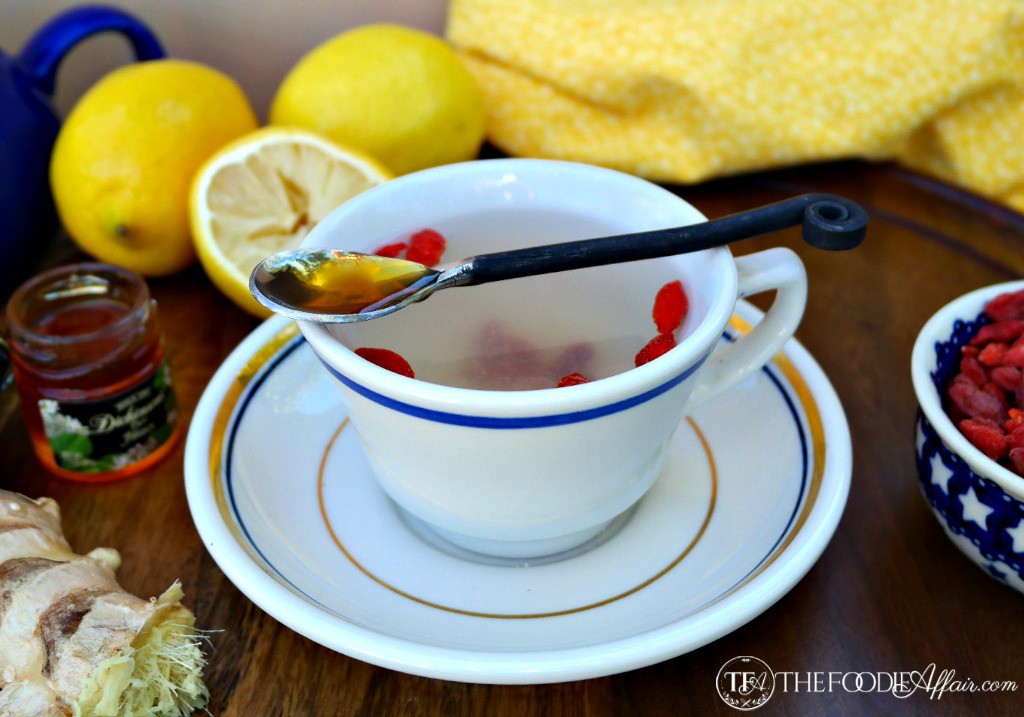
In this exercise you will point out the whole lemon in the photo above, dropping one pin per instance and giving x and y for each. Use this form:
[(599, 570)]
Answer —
[(399, 94), (125, 157)]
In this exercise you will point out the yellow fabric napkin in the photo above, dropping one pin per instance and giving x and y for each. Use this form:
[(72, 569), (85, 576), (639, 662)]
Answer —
[(686, 90)]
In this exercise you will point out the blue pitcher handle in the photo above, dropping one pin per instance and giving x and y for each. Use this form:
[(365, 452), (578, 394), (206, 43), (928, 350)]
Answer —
[(44, 51)]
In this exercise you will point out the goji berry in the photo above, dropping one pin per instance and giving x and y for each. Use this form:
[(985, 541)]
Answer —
[(974, 402), (1006, 307), (1004, 331), (426, 247), (385, 358), (985, 435), (972, 369), (959, 379), (992, 354), (1014, 356), (392, 251), (572, 379), (658, 346), (999, 395), (1016, 418), (1015, 437), (1016, 457), (1006, 377), (670, 307)]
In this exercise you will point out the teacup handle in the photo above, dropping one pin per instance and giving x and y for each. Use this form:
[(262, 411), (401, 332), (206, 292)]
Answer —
[(776, 269)]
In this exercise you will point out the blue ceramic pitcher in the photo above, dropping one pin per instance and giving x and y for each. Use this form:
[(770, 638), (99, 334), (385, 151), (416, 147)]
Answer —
[(29, 126)]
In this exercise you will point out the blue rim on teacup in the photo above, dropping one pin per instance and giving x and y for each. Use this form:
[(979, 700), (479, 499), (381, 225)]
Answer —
[(978, 502)]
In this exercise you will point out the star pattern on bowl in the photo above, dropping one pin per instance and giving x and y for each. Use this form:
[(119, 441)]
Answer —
[(984, 521)]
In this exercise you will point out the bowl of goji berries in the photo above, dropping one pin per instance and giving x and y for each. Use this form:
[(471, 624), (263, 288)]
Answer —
[(968, 373)]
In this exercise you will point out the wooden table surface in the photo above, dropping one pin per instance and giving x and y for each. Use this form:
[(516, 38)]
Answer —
[(890, 593)]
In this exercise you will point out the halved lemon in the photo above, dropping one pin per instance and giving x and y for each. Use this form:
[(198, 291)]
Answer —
[(263, 193)]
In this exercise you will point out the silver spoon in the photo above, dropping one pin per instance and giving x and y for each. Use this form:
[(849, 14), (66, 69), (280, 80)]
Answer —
[(335, 286)]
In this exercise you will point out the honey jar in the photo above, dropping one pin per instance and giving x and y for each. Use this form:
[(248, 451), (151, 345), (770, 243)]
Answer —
[(88, 363)]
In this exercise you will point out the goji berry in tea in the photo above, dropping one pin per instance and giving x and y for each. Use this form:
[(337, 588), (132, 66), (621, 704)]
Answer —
[(572, 379), (670, 307), (425, 247), (392, 251), (385, 358), (658, 346)]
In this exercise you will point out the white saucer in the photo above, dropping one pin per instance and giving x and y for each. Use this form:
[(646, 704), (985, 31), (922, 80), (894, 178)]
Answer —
[(283, 499)]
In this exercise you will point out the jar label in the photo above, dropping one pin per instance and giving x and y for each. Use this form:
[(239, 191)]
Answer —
[(113, 432)]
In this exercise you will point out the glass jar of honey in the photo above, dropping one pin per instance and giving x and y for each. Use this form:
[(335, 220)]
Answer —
[(88, 362)]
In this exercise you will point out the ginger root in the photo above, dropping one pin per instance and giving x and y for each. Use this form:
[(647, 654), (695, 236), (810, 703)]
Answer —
[(73, 642)]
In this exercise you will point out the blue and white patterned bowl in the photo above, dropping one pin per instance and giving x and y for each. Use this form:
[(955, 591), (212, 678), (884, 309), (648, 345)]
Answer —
[(978, 502)]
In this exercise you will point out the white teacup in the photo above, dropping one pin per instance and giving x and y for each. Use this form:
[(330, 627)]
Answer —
[(526, 473)]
